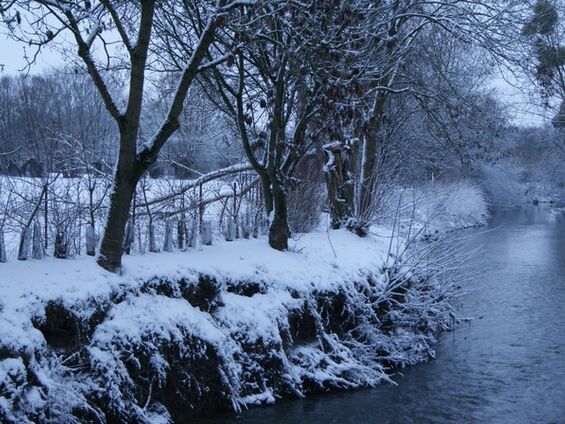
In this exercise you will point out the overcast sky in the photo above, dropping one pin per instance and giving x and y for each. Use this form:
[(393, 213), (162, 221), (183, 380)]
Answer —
[(12, 60), (12, 57)]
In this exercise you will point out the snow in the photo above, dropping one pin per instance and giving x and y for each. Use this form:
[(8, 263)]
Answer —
[(310, 259), (26, 286), (157, 314)]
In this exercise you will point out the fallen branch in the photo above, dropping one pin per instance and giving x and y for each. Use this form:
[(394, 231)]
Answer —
[(220, 173)]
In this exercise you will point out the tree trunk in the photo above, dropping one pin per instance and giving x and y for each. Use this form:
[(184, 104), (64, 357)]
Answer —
[(230, 233), (91, 240), (181, 232), (168, 243), (46, 219), (110, 256), (151, 235), (3, 257), (206, 235), (37, 246), (23, 251), (279, 232), (370, 149), (129, 236), (267, 193), (61, 250), (245, 227), (340, 182), (194, 237), (372, 139)]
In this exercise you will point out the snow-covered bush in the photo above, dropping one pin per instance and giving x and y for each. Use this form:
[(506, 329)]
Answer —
[(435, 207), (304, 206), (504, 184)]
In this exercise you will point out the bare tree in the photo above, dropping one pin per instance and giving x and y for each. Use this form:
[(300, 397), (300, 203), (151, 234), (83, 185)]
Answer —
[(265, 87), (134, 24)]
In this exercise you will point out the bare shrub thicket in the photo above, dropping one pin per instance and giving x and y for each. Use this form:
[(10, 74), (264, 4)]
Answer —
[(307, 197)]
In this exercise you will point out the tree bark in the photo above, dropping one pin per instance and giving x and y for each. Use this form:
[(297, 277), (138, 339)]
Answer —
[(61, 248), (128, 237), (279, 233), (37, 247), (168, 242), (181, 232), (367, 176), (151, 235), (23, 251), (91, 240), (267, 193)]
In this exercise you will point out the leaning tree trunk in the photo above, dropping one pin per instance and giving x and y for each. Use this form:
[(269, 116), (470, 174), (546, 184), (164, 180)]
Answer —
[(279, 232), (23, 251), (25, 238), (110, 256)]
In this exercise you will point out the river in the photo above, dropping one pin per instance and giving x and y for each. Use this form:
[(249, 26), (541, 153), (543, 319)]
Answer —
[(506, 366)]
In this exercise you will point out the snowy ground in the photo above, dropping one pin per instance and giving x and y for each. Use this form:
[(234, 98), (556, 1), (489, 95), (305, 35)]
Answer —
[(327, 259), (428, 208)]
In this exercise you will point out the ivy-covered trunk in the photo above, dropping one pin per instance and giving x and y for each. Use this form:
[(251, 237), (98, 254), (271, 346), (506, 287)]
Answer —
[(340, 182)]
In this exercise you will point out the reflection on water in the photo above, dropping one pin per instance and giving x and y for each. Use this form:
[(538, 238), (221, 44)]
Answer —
[(508, 366)]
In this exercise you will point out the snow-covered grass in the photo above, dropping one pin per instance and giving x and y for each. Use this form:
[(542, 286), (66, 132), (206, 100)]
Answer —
[(453, 206), (230, 325)]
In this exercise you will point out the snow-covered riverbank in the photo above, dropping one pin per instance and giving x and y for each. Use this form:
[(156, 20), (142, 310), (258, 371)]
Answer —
[(224, 326)]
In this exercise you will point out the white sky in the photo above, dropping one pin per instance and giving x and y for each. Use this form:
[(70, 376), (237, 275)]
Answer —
[(12, 57)]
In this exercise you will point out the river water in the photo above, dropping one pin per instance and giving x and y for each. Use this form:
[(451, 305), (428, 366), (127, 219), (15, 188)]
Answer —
[(505, 366)]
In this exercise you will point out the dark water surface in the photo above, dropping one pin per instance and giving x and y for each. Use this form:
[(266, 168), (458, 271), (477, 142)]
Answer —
[(507, 366)]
